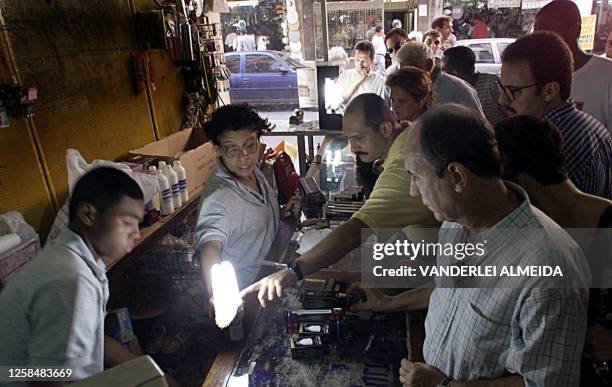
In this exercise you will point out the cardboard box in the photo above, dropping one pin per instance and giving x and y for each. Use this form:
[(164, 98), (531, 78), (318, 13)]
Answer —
[(16, 258), (196, 155)]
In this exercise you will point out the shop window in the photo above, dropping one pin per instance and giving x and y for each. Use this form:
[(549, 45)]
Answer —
[(233, 63), (260, 64)]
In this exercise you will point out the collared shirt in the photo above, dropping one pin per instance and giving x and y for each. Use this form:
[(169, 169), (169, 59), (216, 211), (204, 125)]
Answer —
[(390, 204), (529, 328), (374, 83), (588, 149), (53, 309), (488, 92), (243, 220), (451, 89)]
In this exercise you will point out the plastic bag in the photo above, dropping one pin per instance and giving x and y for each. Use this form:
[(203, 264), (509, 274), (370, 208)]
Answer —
[(77, 167), (14, 223)]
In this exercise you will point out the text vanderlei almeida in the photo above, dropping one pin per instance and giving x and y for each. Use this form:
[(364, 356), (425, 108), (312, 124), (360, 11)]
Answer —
[(410, 250)]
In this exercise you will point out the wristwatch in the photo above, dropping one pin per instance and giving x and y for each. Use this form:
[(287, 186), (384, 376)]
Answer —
[(445, 383), (294, 267)]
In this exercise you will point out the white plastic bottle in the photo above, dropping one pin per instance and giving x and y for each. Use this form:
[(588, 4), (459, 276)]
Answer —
[(182, 180), (167, 205), (156, 200), (173, 180)]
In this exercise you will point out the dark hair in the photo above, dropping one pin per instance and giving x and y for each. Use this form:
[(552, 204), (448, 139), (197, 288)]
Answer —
[(377, 29), (454, 133), (532, 146), (460, 59), (375, 110), (414, 81), (233, 117), (564, 14), (433, 33), (365, 46), (102, 188), (396, 31), (539, 50), (439, 22)]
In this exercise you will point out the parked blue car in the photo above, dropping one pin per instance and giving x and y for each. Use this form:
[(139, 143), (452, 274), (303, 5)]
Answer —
[(263, 78)]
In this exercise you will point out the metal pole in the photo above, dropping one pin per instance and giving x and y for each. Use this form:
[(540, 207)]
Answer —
[(324, 28)]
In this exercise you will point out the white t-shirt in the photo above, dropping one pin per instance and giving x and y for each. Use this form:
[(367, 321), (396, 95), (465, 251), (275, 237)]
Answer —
[(246, 43), (375, 83), (379, 44), (592, 89)]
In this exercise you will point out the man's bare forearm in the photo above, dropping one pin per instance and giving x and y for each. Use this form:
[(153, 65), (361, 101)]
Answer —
[(341, 241), (349, 93), (210, 253), (414, 299)]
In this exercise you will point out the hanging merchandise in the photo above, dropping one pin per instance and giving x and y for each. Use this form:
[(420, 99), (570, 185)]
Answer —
[(198, 50), (16, 102), (141, 61)]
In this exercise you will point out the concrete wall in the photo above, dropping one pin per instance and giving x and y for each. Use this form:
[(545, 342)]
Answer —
[(78, 54)]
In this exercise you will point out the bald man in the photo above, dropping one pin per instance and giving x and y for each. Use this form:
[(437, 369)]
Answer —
[(373, 133), (448, 88), (592, 78)]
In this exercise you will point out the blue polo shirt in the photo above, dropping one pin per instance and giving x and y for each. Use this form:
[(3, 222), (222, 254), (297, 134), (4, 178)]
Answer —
[(53, 310)]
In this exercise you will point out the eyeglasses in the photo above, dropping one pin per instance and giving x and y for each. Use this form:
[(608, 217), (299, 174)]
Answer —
[(510, 91), (395, 48), (249, 148)]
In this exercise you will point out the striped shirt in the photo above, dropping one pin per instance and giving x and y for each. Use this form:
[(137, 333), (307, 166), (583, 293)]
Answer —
[(588, 149), (487, 87), (526, 327)]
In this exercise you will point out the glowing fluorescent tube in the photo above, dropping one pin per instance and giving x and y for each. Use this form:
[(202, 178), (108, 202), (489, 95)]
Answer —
[(226, 296)]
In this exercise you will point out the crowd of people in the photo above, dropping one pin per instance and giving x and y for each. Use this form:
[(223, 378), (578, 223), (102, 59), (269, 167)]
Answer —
[(482, 155), (513, 159)]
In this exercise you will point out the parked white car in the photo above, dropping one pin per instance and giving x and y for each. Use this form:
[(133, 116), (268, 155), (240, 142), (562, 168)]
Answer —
[(488, 52)]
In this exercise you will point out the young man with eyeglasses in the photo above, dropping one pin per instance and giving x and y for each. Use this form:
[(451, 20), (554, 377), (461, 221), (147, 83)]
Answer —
[(536, 80), (239, 211), (394, 40)]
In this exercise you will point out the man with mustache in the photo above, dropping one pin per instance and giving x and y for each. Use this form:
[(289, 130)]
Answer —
[(531, 86), (373, 132), (362, 79)]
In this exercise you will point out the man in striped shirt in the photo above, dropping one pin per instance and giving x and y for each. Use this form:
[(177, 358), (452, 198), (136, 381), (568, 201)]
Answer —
[(460, 61), (536, 79)]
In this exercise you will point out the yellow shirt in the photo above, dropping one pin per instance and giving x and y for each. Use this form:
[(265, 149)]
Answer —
[(390, 204)]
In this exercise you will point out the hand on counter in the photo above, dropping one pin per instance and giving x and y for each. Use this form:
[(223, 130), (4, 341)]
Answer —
[(372, 299), (419, 374), (271, 287)]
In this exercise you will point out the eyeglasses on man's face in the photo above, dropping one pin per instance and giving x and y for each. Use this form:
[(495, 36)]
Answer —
[(249, 148), (510, 91)]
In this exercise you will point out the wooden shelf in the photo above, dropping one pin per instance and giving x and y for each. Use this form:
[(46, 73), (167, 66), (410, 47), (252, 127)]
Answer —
[(149, 235)]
